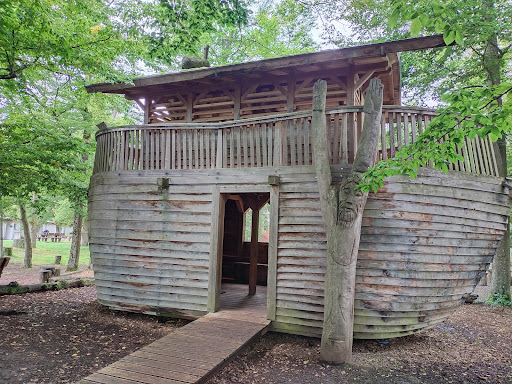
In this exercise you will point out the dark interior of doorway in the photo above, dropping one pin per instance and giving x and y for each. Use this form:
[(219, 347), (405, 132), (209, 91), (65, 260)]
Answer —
[(245, 258)]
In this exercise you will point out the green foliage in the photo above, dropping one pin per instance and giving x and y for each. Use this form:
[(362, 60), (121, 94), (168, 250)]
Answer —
[(181, 25), (467, 74), (471, 112), (34, 156), (63, 213), (50, 48), (263, 223), (9, 208), (63, 36), (276, 29), (495, 299)]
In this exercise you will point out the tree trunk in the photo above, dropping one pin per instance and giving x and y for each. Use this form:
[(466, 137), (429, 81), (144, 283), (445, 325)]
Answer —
[(74, 253), (342, 210), (492, 61), (33, 223), (85, 233), (33, 230), (27, 261)]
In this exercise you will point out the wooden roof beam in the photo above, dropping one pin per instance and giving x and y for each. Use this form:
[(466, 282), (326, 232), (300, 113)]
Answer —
[(363, 79), (295, 61)]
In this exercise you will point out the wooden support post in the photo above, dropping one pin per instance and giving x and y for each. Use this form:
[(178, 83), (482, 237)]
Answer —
[(190, 103), (351, 100), (272, 247), (342, 211), (218, 163), (147, 105), (238, 98), (253, 261), (290, 100), (216, 250)]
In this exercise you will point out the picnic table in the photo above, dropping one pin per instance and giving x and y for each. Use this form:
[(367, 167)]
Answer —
[(53, 236)]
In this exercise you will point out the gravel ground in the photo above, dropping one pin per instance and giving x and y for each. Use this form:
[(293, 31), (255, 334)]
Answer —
[(62, 336)]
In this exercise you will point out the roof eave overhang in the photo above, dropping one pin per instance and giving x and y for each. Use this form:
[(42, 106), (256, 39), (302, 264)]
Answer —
[(371, 50)]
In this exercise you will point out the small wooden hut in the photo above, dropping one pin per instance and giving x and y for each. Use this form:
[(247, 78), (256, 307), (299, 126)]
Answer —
[(168, 198)]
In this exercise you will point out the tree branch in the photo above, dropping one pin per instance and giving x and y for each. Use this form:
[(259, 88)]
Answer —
[(91, 42)]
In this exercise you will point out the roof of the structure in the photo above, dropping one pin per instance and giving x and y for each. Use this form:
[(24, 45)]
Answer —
[(358, 55)]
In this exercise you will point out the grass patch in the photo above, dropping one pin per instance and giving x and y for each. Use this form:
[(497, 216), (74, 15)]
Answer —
[(44, 253)]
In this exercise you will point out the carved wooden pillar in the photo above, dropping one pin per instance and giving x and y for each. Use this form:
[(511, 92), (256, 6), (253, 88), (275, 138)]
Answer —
[(342, 211)]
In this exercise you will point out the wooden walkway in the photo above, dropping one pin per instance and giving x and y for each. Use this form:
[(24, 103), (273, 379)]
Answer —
[(193, 353)]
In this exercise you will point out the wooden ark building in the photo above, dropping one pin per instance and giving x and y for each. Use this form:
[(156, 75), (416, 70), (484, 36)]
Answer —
[(167, 198)]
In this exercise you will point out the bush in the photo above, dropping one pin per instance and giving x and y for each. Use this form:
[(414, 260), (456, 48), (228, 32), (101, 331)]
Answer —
[(495, 299)]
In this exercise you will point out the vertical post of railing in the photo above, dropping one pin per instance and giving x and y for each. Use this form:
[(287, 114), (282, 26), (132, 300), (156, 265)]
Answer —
[(277, 144), (218, 163)]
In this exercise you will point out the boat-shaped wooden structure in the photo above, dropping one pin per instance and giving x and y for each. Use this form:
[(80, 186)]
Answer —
[(167, 198)]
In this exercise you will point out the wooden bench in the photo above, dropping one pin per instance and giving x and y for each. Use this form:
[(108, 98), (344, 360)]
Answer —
[(242, 272)]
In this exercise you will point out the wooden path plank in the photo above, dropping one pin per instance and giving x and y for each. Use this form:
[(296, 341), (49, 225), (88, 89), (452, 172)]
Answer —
[(193, 353)]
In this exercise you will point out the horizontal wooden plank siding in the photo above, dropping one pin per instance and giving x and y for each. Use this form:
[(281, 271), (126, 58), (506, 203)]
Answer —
[(424, 244), (150, 249)]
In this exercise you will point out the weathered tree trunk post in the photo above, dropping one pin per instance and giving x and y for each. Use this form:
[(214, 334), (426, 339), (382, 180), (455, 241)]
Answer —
[(342, 210), (27, 261), (74, 252)]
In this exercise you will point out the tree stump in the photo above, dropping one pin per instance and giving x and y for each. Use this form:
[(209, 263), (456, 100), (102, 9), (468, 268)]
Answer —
[(47, 272), (58, 259), (8, 251), (44, 276)]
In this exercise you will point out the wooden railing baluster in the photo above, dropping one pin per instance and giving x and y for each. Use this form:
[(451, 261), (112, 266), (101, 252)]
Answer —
[(307, 149), (283, 140)]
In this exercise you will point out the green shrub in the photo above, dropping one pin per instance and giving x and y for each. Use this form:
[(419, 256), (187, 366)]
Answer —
[(495, 299)]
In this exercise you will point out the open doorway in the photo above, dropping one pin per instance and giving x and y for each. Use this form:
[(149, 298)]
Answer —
[(245, 251)]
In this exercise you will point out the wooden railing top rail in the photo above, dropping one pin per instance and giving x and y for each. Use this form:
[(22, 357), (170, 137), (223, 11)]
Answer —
[(221, 125), (267, 119)]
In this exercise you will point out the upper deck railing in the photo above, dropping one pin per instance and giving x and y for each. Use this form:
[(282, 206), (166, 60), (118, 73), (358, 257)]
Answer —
[(273, 141)]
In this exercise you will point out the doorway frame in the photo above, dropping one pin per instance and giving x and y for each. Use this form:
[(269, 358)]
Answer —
[(219, 198)]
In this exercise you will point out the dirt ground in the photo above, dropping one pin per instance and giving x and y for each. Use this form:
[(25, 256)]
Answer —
[(62, 336), (16, 272)]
